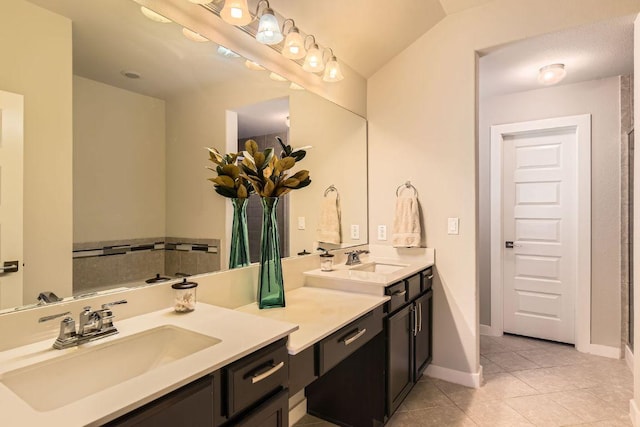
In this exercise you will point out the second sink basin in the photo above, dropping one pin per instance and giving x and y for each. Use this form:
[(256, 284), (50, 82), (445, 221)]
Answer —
[(379, 267), (84, 371)]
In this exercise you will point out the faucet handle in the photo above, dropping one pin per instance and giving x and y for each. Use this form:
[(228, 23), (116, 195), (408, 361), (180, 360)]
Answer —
[(53, 316), (109, 304)]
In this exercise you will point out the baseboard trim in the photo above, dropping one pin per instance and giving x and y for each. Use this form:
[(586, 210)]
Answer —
[(297, 412), (488, 330), (628, 357), (602, 350), (467, 379), (634, 413)]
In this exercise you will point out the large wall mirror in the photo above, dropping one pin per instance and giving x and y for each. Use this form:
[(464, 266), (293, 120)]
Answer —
[(146, 101)]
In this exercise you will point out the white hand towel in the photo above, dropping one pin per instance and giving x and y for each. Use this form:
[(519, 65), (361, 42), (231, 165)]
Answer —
[(406, 223), (329, 223)]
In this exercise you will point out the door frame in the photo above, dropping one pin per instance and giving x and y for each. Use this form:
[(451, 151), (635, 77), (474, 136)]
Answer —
[(582, 313)]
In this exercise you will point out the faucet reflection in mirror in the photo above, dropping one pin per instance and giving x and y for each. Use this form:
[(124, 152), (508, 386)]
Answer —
[(230, 184), (269, 177)]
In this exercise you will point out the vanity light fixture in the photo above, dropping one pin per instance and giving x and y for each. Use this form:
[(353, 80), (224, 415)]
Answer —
[(252, 65), (332, 71), (200, 1), (193, 36), (293, 44), (552, 74), (268, 28), (154, 16), (236, 12), (313, 62)]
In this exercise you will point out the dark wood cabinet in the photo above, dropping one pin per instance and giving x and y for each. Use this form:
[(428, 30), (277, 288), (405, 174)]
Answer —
[(409, 336), (422, 334), (399, 356), (189, 406), (272, 413)]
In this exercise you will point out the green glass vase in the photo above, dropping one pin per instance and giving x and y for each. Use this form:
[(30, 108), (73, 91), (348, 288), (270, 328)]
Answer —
[(271, 285), (239, 253)]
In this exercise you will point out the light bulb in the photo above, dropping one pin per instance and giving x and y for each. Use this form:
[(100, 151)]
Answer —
[(551, 74)]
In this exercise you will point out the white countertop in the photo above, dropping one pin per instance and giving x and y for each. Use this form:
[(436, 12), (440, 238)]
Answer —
[(350, 279), (318, 313), (240, 335)]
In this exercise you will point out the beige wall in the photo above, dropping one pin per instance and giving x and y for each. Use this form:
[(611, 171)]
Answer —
[(635, 405), (119, 163), (601, 99), (338, 157), (36, 50), (421, 109)]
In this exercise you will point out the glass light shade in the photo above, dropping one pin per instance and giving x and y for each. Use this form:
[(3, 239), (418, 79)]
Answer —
[(332, 72), (154, 16), (551, 74), (269, 29), (193, 36), (294, 45), (236, 12), (277, 77), (200, 1), (254, 66), (313, 62)]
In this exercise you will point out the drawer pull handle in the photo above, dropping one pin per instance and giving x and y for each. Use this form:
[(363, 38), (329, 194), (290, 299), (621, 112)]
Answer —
[(357, 335), (398, 293), (430, 277), (266, 374), (419, 317)]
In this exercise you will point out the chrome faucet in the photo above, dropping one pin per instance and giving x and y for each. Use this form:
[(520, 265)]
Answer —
[(353, 257), (92, 325)]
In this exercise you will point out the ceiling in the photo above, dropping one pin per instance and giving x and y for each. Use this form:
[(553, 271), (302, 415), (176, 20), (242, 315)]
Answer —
[(589, 52)]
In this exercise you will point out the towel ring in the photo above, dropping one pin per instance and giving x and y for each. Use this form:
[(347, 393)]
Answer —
[(330, 189), (406, 185)]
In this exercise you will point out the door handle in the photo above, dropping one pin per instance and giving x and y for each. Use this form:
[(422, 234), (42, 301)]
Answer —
[(259, 377), (9, 267), (419, 317), (510, 245)]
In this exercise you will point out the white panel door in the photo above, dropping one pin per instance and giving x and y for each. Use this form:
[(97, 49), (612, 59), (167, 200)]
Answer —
[(540, 218), (11, 155)]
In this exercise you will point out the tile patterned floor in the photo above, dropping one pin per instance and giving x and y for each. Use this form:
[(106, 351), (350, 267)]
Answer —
[(527, 382)]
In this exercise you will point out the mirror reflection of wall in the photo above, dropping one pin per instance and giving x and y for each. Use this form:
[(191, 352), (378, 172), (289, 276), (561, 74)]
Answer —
[(180, 100)]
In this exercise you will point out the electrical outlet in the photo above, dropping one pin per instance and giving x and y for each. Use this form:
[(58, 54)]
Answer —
[(382, 232), (355, 231), (301, 223), (452, 226)]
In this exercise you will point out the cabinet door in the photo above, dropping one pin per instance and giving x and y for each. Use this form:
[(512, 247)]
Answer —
[(272, 413), (423, 337), (189, 406), (400, 357)]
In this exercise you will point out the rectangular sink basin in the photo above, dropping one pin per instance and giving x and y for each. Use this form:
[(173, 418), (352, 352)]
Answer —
[(379, 267), (55, 383)]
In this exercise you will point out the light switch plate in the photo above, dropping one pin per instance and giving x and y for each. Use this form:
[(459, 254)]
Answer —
[(301, 223), (355, 231), (452, 225), (382, 232)]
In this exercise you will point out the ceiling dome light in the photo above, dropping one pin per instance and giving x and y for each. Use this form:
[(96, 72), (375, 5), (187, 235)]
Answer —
[(268, 29), (193, 36), (313, 62), (154, 16), (332, 72), (551, 74), (236, 12), (253, 65)]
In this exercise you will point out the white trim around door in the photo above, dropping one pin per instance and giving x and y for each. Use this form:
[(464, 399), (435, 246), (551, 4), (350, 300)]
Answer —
[(582, 126)]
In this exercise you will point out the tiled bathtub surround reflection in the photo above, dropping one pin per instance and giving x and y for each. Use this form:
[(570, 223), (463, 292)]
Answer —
[(527, 382), (102, 265)]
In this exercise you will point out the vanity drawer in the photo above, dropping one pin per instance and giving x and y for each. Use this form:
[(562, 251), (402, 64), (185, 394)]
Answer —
[(427, 279), (337, 346), (414, 286), (256, 376), (398, 294)]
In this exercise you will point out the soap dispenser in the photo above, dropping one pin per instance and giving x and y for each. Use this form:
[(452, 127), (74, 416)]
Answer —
[(326, 260)]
